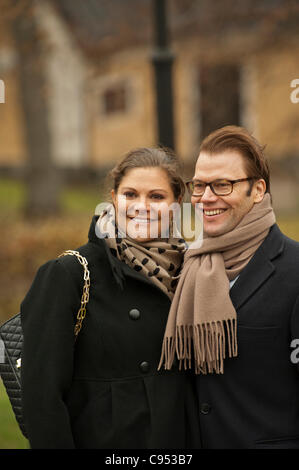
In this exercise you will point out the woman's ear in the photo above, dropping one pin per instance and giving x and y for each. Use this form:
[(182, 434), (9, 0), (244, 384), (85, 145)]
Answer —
[(112, 192)]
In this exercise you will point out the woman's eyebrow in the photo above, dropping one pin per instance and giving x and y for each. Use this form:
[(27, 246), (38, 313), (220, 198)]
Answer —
[(159, 189), (151, 191)]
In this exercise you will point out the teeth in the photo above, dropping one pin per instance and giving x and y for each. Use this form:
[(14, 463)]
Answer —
[(140, 221), (214, 212)]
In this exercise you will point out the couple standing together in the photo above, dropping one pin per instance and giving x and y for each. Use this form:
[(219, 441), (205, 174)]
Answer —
[(181, 347)]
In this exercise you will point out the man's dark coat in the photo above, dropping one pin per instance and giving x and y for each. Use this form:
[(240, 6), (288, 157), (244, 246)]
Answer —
[(104, 391), (255, 403)]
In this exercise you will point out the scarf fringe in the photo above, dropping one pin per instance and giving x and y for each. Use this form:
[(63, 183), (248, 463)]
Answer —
[(207, 342)]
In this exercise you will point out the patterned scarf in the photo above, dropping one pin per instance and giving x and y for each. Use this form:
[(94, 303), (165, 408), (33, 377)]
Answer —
[(159, 259)]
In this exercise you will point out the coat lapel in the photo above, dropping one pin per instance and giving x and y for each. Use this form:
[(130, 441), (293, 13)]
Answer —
[(259, 269)]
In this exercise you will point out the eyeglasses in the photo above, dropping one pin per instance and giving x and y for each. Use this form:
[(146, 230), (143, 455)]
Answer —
[(218, 187)]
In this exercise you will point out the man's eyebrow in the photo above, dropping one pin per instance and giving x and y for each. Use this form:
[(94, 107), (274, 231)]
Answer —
[(215, 179)]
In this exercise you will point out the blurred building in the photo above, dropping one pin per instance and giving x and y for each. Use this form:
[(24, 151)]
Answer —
[(234, 63)]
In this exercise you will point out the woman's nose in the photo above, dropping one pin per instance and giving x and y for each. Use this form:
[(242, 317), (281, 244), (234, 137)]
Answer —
[(141, 205)]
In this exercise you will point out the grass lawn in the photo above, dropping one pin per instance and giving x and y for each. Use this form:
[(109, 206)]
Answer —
[(73, 200), (10, 434)]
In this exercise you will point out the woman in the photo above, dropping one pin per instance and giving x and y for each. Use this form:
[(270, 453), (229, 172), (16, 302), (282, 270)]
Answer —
[(104, 390)]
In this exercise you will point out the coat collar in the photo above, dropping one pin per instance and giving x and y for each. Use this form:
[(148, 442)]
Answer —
[(259, 268), (114, 263)]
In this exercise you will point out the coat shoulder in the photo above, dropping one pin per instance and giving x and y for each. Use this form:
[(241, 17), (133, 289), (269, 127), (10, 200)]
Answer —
[(292, 250), (279, 244), (292, 245), (92, 252)]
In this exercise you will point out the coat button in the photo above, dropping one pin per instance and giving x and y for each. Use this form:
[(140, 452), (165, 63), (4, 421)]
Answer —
[(205, 408), (144, 366), (134, 314)]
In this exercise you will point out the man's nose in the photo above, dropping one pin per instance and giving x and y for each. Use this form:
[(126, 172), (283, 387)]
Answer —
[(208, 195)]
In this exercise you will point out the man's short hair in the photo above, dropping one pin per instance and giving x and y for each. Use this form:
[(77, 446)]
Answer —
[(237, 138)]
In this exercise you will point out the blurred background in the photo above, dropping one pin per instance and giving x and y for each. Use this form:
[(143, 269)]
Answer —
[(84, 81)]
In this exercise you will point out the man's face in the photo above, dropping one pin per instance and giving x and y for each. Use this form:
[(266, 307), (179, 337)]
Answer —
[(232, 208)]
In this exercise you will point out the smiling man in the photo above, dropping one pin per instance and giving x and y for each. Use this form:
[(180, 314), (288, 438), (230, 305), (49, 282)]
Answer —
[(226, 192), (235, 312)]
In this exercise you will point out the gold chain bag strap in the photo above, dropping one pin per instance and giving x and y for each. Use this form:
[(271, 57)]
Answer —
[(85, 294), (11, 341)]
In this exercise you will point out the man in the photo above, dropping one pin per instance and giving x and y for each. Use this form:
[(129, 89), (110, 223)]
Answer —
[(236, 308)]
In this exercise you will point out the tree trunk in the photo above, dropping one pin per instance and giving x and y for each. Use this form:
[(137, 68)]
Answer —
[(43, 178)]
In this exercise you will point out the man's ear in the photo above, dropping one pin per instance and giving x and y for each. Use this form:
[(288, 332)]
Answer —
[(259, 190)]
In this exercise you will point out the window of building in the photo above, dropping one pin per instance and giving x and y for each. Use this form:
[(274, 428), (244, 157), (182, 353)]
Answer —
[(115, 99)]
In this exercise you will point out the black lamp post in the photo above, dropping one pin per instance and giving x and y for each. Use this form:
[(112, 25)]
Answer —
[(162, 61)]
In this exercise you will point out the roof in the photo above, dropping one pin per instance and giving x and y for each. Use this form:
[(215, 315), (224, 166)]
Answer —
[(104, 26)]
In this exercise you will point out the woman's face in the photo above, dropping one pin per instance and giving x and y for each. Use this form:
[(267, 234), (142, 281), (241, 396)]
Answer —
[(142, 203)]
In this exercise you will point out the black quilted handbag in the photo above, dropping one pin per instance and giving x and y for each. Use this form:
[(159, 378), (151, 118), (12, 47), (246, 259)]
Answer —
[(11, 340), (10, 362)]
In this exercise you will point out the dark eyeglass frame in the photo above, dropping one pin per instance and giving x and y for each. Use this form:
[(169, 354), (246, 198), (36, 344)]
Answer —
[(210, 184)]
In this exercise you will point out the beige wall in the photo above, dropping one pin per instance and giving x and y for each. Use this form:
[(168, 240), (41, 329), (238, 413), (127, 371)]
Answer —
[(113, 135), (277, 116), (12, 144)]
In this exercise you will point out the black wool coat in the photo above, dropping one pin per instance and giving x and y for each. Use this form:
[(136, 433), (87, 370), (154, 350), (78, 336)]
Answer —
[(255, 403), (104, 391)]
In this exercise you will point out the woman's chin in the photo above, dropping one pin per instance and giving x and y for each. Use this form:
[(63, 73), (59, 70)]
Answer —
[(143, 232)]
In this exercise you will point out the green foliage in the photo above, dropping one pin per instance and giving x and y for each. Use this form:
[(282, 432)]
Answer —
[(289, 225), (75, 199), (12, 195), (80, 200)]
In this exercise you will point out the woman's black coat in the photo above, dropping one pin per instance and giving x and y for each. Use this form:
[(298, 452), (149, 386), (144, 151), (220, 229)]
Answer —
[(104, 391)]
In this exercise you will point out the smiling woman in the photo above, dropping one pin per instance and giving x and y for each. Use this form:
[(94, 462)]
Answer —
[(110, 393)]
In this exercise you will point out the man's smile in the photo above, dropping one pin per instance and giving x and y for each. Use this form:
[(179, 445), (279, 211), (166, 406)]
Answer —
[(213, 212)]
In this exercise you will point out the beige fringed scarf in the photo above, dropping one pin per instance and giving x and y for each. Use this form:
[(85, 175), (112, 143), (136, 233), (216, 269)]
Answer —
[(158, 260), (202, 317)]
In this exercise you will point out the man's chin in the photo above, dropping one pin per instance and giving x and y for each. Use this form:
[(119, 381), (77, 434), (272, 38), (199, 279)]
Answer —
[(214, 231)]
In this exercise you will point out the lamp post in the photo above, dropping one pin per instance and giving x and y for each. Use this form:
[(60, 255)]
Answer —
[(162, 60)]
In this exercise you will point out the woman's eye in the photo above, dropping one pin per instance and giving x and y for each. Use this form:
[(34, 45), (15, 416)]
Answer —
[(157, 196), (129, 194)]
